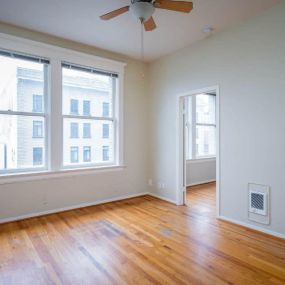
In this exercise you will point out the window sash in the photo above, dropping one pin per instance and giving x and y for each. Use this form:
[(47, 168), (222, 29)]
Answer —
[(192, 132)]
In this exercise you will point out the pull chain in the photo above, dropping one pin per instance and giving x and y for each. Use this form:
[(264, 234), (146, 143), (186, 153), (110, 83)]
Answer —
[(142, 40)]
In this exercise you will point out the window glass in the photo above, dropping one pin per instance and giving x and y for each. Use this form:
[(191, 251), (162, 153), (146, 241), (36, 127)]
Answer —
[(74, 107), (205, 109), (22, 89), (73, 130), (206, 141), (86, 108), (87, 130), (74, 154), (105, 131), (86, 153), (105, 153)]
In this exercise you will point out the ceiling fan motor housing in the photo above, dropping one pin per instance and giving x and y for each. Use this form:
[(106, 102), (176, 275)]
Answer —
[(142, 10)]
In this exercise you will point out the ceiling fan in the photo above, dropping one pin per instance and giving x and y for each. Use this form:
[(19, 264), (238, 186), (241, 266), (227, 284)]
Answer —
[(144, 9)]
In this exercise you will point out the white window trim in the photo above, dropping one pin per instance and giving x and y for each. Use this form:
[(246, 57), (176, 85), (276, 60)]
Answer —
[(54, 122), (194, 157)]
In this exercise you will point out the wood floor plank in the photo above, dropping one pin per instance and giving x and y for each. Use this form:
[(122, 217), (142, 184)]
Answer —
[(139, 241)]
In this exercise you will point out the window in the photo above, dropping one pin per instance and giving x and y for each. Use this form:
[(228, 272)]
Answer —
[(105, 132), (22, 112), (37, 156), (37, 129), (105, 109), (98, 126), (86, 153), (86, 130), (73, 130), (39, 97), (37, 103), (73, 106), (74, 154), (86, 108), (201, 126), (105, 153)]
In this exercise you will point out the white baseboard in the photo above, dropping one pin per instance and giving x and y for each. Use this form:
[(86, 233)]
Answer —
[(201, 182), (162, 198), (253, 227), (58, 210)]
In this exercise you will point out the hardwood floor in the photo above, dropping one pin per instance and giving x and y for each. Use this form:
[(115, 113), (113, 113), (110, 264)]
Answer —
[(139, 241)]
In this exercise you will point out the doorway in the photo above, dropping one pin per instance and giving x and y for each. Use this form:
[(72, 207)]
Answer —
[(198, 169)]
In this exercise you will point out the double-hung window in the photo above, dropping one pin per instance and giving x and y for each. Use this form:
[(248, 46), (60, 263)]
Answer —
[(56, 115), (95, 90), (23, 93), (201, 126)]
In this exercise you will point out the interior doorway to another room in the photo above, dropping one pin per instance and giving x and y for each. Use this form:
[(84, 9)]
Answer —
[(199, 141)]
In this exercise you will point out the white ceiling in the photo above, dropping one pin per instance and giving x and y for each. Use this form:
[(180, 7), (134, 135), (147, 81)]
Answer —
[(78, 20)]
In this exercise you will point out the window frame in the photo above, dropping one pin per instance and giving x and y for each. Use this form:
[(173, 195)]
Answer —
[(191, 126), (53, 106), (43, 115)]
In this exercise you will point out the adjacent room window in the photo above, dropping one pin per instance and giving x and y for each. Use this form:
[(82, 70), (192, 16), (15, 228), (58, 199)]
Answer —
[(38, 129), (73, 107), (74, 154), (94, 91), (86, 108), (86, 130), (86, 153), (37, 156), (23, 90), (73, 130), (105, 131), (201, 126), (105, 153)]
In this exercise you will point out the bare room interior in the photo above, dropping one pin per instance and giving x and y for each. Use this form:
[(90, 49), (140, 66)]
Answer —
[(141, 142)]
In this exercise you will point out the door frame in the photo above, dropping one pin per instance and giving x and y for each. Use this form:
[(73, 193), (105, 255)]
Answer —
[(181, 157)]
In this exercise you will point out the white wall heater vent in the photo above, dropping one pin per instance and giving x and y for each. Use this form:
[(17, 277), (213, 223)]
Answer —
[(258, 204)]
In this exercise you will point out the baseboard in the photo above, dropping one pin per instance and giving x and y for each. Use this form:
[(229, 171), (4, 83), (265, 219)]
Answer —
[(253, 227), (68, 208), (162, 198), (201, 182)]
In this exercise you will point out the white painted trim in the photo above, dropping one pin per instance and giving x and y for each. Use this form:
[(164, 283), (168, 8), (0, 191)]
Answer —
[(201, 182), (202, 160), (56, 55), (73, 207), (252, 227), (40, 175), (181, 160), (162, 198)]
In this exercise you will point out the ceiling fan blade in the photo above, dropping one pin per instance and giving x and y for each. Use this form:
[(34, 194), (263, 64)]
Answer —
[(149, 25), (179, 6), (115, 13)]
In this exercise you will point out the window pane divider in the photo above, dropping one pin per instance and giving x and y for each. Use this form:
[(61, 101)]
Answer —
[(89, 118), (16, 113)]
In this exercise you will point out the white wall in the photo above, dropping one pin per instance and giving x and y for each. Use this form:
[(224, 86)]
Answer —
[(200, 171), (28, 197), (248, 63)]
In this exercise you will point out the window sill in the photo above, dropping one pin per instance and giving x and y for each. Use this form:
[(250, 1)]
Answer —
[(45, 174)]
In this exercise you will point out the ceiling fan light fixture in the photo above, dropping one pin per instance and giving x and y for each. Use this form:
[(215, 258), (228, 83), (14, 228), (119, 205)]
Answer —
[(142, 10)]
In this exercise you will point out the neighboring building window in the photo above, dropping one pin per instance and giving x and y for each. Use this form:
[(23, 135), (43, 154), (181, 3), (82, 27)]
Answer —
[(73, 130), (201, 126), (105, 109), (37, 103), (73, 106), (22, 112), (105, 134), (37, 129), (86, 108), (86, 153), (86, 130), (74, 154), (96, 124), (37, 156), (105, 153)]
